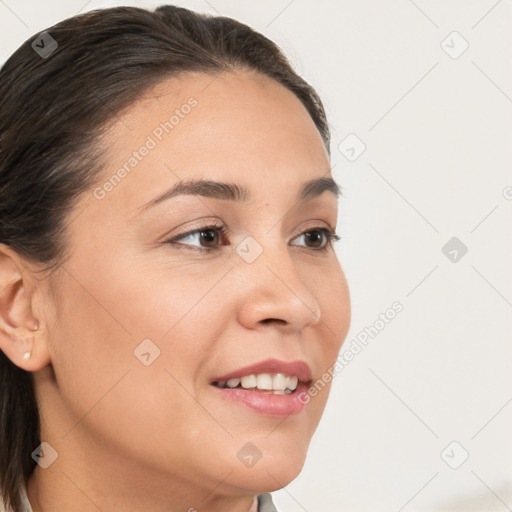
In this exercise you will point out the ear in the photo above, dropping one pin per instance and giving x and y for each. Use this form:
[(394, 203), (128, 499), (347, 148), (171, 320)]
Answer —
[(20, 330)]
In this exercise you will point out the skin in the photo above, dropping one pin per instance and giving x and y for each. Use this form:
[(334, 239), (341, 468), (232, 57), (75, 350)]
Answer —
[(131, 437)]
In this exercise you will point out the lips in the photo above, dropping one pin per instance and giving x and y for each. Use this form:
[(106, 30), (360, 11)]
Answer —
[(295, 368), (276, 404)]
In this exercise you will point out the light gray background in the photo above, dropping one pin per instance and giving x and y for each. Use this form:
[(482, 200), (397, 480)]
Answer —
[(436, 165)]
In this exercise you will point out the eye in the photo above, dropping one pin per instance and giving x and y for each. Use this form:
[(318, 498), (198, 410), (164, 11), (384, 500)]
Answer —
[(207, 237), (318, 238)]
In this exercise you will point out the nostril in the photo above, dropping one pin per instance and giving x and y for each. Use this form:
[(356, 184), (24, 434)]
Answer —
[(277, 320)]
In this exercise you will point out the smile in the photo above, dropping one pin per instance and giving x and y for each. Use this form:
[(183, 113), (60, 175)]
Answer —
[(277, 384), (271, 388)]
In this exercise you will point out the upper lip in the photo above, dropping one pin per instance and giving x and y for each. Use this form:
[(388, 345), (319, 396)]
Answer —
[(293, 368)]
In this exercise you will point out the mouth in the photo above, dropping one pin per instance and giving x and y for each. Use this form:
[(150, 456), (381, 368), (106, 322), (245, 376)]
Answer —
[(271, 388)]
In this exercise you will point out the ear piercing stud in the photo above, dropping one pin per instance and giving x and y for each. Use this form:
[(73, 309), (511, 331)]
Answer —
[(35, 326)]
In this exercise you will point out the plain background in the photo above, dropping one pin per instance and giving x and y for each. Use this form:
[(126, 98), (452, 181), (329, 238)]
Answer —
[(436, 129)]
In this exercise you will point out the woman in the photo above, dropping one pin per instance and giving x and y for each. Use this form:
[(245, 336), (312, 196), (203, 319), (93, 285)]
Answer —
[(170, 291)]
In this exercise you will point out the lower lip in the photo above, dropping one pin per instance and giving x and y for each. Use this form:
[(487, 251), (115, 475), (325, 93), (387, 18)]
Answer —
[(268, 403)]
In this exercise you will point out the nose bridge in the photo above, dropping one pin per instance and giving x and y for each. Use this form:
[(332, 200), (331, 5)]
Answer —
[(275, 289)]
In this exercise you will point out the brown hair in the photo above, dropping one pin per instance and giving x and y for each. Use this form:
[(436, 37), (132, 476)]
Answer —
[(58, 91)]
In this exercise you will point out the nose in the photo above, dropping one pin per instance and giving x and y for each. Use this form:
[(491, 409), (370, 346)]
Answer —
[(274, 292)]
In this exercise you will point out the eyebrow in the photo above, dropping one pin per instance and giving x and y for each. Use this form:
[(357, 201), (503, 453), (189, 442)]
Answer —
[(235, 192)]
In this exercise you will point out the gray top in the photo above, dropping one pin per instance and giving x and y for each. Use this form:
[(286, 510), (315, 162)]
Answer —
[(265, 503)]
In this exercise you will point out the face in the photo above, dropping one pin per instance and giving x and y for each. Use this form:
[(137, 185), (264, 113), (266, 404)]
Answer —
[(156, 303)]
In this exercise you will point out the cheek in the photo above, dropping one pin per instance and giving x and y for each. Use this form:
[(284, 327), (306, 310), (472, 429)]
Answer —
[(159, 298), (332, 292), (107, 390), (337, 302)]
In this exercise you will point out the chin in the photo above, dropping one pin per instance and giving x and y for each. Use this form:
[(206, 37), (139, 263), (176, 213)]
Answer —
[(273, 471)]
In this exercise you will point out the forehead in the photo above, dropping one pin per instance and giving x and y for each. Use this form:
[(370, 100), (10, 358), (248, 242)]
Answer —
[(240, 127)]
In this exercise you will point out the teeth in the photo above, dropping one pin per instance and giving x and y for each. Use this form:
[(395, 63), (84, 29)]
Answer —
[(249, 381), (278, 383), (232, 383), (264, 381)]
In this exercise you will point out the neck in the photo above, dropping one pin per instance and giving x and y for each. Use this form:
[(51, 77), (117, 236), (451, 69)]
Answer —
[(60, 491)]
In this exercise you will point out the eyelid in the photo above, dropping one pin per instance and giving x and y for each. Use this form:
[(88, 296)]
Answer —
[(312, 225), (200, 225)]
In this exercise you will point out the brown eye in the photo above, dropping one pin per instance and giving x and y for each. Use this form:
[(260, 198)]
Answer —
[(209, 236), (315, 238), (319, 239)]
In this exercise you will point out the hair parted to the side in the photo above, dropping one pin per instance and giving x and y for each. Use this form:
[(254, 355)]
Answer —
[(53, 110)]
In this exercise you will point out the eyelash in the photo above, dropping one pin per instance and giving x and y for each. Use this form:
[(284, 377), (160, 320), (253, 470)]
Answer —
[(331, 237)]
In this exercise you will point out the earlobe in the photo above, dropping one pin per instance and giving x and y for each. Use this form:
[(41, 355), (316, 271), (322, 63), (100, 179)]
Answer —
[(21, 338), (34, 326)]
